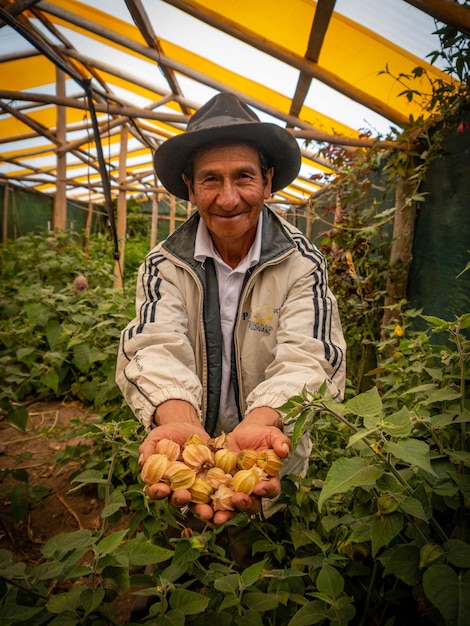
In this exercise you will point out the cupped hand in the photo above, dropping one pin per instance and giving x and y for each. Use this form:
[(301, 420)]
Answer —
[(178, 432)]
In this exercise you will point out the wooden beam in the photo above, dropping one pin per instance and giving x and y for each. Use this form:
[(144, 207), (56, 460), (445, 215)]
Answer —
[(100, 107), (59, 212), (234, 29), (140, 17), (321, 21), (308, 133), (17, 7), (121, 211), (447, 11)]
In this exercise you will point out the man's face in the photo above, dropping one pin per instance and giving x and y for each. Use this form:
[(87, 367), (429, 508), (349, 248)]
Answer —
[(229, 191)]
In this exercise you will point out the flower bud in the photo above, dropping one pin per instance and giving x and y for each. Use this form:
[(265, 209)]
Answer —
[(226, 459), (154, 469), (200, 491), (194, 439), (269, 461), (169, 448), (198, 456), (179, 475), (222, 499), (245, 480), (216, 476), (246, 458)]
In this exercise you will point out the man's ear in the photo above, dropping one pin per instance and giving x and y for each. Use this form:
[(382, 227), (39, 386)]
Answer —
[(268, 183), (189, 185)]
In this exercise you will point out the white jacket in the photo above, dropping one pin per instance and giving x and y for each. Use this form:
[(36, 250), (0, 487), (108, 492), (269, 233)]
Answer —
[(287, 333)]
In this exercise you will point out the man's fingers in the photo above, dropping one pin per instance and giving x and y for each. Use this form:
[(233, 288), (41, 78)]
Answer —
[(180, 498), (267, 488), (204, 511), (158, 491)]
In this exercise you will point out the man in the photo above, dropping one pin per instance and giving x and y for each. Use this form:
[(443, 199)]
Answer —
[(234, 313)]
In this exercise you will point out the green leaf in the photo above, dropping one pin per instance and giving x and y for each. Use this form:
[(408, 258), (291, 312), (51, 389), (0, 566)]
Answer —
[(330, 581), (259, 601), (144, 553), (54, 334), (411, 451), (81, 357), (345, 474), (51, 380), (228, 584), (68, 601), (459, 456), (91, 599), (188, 602), (442, 395), (413, 507), (300, 427), (403, 562), (367, 404), (110, 543), (252, 574), (448, 592), (384, 528), (64, 543), (398, 424), (90, 477), (19, 417), (311, 613), (458, 553)]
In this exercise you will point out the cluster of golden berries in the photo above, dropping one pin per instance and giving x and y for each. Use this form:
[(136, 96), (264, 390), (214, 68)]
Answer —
[(210, 471)]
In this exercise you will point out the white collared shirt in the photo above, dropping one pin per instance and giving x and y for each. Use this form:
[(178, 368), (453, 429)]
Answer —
[(230, 282)]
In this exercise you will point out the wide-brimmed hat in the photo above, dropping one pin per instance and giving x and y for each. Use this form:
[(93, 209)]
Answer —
[(226, 117)]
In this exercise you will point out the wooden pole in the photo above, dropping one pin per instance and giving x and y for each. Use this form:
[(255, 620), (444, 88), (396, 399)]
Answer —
[(59, 213), (5, 212), (154, 229), (121, 210), (172, 214), (401, 251)]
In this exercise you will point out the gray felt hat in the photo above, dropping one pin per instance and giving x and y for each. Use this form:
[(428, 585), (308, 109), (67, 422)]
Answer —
[(226, 117)]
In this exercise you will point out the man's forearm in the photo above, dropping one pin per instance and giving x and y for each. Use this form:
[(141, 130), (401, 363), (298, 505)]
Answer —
[(173, 411)]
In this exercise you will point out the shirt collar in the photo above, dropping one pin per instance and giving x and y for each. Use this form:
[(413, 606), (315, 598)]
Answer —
[(204, 246)]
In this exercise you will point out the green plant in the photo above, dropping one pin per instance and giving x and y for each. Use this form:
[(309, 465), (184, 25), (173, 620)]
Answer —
[(57, 338), (376, 533)]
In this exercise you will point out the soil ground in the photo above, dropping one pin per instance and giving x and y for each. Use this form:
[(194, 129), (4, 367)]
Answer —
[(59, 511)]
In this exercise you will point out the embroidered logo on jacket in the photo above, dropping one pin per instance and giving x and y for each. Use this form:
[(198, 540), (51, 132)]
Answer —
[(259, 318)]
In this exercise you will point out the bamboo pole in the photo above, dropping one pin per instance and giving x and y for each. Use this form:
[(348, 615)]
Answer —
[(6, 190), (401, 251), (59, 213), (154, 229), (121, 211)]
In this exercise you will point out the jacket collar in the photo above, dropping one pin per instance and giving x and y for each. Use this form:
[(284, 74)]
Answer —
[(275, 239)]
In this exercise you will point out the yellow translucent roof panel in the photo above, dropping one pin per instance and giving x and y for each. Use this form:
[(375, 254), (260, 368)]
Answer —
[(27, 73), (350, 51), (204, 67)]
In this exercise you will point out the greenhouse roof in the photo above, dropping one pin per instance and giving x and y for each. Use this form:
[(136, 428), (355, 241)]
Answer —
[(327, 70)]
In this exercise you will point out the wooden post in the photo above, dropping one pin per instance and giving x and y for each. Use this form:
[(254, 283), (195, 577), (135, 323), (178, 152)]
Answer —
[(172, 214), (5, 212), (154, 229), (59, 212), (121, 210), (401, 250)]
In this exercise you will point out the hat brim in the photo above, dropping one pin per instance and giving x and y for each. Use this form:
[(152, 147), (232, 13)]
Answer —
[(277, 144)]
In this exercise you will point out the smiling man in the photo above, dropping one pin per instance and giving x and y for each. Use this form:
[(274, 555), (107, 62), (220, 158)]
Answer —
[(233, 311)]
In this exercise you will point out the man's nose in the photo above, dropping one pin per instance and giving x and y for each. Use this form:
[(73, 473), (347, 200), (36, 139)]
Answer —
[(227, 197)]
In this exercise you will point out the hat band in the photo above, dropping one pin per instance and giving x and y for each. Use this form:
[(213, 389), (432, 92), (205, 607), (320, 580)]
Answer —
[(222, 120)]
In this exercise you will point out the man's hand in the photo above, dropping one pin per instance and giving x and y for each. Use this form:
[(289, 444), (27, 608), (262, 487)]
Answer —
[(260, 430), (176, 420)]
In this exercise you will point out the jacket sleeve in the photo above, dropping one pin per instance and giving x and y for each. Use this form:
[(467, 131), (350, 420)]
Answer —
[(156, 361), (309, 348)]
